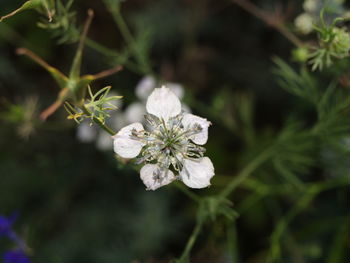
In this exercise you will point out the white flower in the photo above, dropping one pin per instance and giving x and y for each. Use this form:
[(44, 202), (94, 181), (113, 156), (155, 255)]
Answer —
[(311, 5), (170, 147), (304, 23)]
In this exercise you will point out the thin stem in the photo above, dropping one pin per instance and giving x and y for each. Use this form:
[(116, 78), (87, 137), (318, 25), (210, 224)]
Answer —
[(129, 39), (339, 242), (107, 72), (98, 122), (191, 241), (110, 53), (39, 60), (270, 20), (232, 241), (75, 70), (246, 172)]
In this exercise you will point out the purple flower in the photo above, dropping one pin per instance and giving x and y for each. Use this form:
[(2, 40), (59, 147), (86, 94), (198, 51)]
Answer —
[(6, 225), (16, 256)]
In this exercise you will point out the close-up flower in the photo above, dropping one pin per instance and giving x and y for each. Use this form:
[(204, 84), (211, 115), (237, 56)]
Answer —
[(170, 147), (83, 154)]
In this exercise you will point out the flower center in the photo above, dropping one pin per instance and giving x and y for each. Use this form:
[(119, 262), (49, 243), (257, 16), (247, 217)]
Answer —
[(168, 142)]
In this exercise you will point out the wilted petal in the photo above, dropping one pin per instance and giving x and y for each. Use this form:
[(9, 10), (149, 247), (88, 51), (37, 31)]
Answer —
[(86, 132), (135, 112), (145, 87), (104, 141), (163, 103), (118, 121), (191, 121), (197, 173), (124, 145), (154, 177)]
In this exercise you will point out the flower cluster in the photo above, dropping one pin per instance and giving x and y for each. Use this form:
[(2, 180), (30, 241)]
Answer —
[(334, 44), (171, 146), (305, 22), (18, 254)]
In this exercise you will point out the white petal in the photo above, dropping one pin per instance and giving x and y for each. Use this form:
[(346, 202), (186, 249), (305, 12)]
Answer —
[(304, 23), (176, 88), (154, 177), (125, 146), (311, 5), (163, 103), (135, 112), (145, 87), (197, 173), (190, 120), (104, 141), (86, 132)]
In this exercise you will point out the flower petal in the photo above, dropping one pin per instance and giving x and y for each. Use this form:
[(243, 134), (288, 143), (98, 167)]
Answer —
[(145, 87), (163, 103), (197, 173), (154, 177), (190, 120), (135, 112), (124, 145)]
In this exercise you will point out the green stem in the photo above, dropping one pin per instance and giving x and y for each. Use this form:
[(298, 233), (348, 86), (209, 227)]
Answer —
[(129, 39), (191, 241), (271, 20), (246, 172), (98, 121), (108, 52)]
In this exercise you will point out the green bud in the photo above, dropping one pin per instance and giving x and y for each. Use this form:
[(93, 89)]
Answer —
[(300, 54)]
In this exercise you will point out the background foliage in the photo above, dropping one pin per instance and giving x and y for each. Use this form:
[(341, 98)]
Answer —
[(280, 139)]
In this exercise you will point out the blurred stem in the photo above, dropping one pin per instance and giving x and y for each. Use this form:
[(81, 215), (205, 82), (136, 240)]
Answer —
[(232, 241), (270, 19), (98, 121), (246, 172), (191, 241), (112, 53), (187, 192), (303, 202), (339, 243), (129, 39)]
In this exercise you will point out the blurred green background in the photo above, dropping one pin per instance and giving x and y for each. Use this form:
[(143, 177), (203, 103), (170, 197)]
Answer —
[(78, 204)]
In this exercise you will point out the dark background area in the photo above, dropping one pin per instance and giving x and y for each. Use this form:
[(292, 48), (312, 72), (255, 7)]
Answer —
[(78, 204)]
